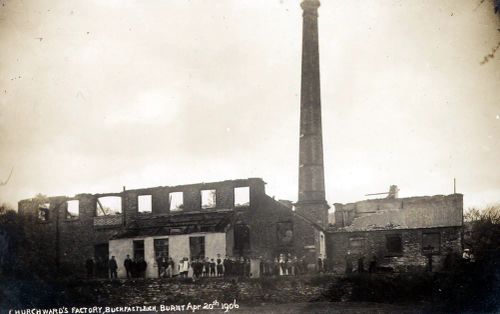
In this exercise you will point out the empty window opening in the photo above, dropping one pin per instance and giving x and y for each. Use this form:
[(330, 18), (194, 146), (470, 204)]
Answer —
[(242, 196), (197, 248), (139, 250), (284, 232), (161, 248), (431, 243), (145, 203), (109, 205), (394, 244), (43, 212), (176, 201), (208, 198), (357, 245), (73, 209)]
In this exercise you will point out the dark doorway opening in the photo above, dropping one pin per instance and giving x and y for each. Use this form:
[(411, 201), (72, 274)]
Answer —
[(197, 247), (101, 257), (241, 239)]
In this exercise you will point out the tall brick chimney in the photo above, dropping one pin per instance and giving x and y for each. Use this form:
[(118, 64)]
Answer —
[(311, 203)]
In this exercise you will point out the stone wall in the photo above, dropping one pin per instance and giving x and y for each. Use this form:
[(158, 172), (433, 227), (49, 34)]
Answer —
[(248, 291), (374, 243), (411, 212)]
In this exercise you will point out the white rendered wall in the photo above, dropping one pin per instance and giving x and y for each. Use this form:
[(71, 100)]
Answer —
[(215, 243)]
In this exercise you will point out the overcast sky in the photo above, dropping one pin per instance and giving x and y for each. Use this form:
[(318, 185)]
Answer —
[(96, 95)]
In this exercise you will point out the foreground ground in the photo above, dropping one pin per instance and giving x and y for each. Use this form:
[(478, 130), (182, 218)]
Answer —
[(331, 307)]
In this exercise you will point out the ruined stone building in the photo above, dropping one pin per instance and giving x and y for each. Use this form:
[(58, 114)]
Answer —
[(230, 218), (238, 218), (401, 234)]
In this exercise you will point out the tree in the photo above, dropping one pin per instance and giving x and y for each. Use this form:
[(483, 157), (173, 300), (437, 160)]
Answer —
[(10, 237), (496, 9), (482, 233)]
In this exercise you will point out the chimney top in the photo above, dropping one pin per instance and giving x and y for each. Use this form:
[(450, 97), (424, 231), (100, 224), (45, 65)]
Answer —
[(308, 5)]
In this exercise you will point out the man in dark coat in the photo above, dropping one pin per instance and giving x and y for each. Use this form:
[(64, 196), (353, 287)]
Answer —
[(128, 266), (141, 267), (227, 270), (361, 264), (373, 265), (348, 263), (89, 265), (113, 267), (220, 270)]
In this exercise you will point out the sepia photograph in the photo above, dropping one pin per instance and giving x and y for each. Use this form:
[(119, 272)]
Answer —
[(237, 156)]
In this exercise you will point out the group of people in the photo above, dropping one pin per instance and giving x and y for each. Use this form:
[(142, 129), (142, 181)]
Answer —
[(360, 263), (205, 267), (135, 268), (282, 265)]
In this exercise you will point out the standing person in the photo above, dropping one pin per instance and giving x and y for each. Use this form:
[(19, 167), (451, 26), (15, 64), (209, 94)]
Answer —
[(288, 264), (282, 264), (373, 265), (348, 263), (199, 267), (276, 267), (113, 267), (170, 267), (246, 267), (212, 268), (206, 267), (225, 263), (303, 265), (128, 266), (133, 268), (241, 266), (162, 266), (220, 270), (142, 266), (326, 264), (361, 264), (89, 265), (295, 266), (184, 267), (262, 266), (195, 267), (320, 265)]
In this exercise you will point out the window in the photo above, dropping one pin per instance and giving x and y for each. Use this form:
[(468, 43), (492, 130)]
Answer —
[(393, 244), (43, 212), (176, 201), (72, 209), (161, 248), (284, 231), (109, 205), (431, 243), (241, 238), (208, 198), (197, 247), (357, 245), (145, 203), (242, 196), (138, 249)]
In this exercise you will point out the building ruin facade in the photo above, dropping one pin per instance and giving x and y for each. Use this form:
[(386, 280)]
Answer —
[(239, 219)]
